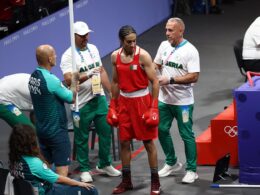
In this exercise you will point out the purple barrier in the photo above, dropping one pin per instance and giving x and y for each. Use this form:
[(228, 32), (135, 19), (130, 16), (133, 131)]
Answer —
[(17, 51), (248, 120)]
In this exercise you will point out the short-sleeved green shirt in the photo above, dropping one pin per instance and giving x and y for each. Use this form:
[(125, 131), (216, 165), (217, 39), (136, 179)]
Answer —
[(48, 96), (35, 171)]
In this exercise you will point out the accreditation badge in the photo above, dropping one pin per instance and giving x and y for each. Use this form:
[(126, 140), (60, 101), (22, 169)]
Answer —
[(96, 84)]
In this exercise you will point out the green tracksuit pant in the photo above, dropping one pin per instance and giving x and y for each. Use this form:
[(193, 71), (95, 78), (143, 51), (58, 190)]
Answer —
[(183, 115), (95, 110), (13, 115)]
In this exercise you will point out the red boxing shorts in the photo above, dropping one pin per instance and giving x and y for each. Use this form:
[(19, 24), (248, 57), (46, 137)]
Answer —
[(131, 124)]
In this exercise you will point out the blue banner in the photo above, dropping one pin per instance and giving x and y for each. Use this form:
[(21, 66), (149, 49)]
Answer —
[(17, 51)]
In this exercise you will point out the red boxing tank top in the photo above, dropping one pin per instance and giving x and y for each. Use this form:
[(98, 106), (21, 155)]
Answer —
[(131, 76)]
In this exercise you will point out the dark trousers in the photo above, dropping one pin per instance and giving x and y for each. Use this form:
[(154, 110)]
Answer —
[(252, 65)]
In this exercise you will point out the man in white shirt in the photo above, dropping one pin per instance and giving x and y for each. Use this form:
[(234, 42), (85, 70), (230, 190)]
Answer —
[(251, 47), (91, 102), (178, 68), (15, 98)]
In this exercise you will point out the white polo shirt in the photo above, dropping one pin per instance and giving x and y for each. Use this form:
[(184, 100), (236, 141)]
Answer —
[(251, 45), (14, 89), (85, 61), (177, 62)]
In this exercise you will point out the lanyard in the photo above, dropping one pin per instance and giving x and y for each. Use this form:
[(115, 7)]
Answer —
[(174, 49), (82, 57)]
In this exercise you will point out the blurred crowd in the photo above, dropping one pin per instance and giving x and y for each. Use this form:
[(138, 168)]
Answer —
[(15, 14), (188, 7)]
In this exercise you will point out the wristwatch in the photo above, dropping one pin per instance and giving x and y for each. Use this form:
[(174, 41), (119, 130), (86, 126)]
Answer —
[(172, 80)]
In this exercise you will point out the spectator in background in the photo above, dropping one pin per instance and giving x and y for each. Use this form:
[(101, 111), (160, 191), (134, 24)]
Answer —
[(92, 102), (251, 47), (15, 98), (48, 96), (215, 7), (26, 162), (132, 107), (181, 7), (203, 6), (179, 67)]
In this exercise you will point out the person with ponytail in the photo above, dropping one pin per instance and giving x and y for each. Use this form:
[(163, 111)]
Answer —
[(132, 108)]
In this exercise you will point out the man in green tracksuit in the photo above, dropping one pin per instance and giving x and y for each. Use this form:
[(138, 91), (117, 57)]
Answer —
[(179, 67), (92, 101)]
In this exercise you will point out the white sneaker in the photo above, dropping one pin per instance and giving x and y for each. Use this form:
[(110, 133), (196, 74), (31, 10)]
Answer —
[(190, 177), (167, 169), (86, 177), (109, 170)]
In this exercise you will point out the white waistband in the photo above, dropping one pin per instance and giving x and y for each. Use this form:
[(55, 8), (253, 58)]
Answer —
[(138, 93)]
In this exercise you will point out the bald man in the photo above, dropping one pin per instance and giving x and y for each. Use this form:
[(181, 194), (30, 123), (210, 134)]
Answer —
[(48, 97)]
